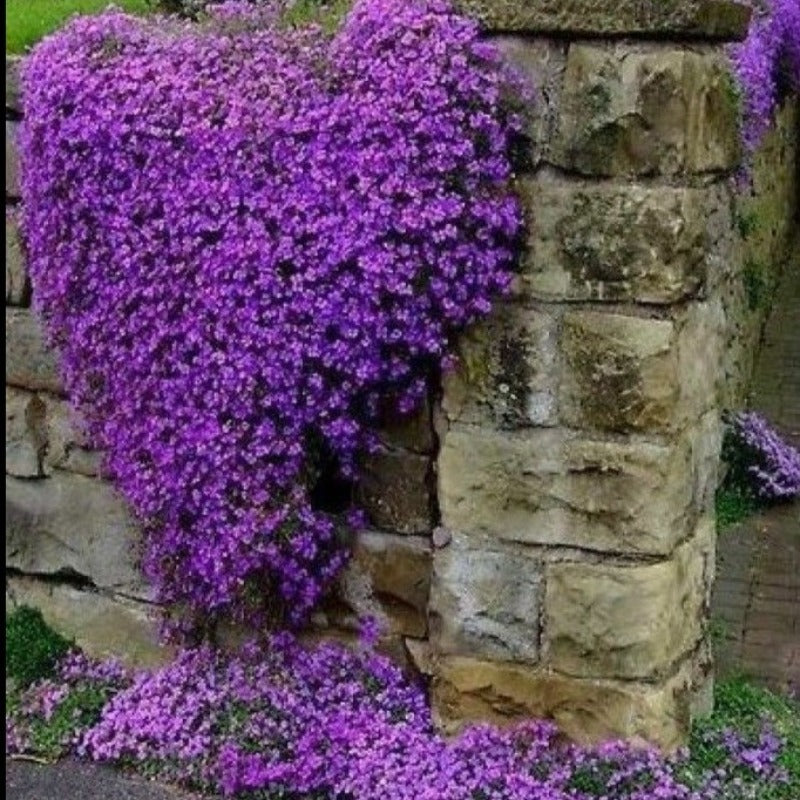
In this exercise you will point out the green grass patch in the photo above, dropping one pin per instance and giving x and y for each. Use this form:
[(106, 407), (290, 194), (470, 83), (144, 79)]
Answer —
[(33, 648), (328, 14), (733, 505), (28, 21)]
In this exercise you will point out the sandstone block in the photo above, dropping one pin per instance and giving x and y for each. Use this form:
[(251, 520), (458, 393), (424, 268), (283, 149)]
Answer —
[(485, 601), (18, 288), (587, 711), (558, 487), (631, 374), (29, 364), (595, 241), (413, 432), (73, 525), (709, 18), (101, 624), (12, 159), (628, 621), (507, 375), (388, 578), (646, 111), (394, 490), (43, 434)]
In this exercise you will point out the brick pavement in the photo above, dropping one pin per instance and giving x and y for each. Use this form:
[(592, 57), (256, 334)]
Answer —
[(756, 601)]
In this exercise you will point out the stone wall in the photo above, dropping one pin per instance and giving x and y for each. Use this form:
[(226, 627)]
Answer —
[(542, 534)]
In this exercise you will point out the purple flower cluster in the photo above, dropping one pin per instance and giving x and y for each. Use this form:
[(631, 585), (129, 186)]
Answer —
[(770, 465), (768, 58), (243, 242), (328, 722)]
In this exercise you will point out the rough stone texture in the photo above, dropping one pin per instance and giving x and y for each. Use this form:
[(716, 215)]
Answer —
[(614, 242), (557, 487), (507, 375), (628, 621), (654, 111), (72, 525), (29, 364), (394, 491), (413, 433), (708, 18), (588, 711), (764, 239), (388, 578), (103, 625), (42, 435), (12, 159), (625, 374), (18, 287), (485, 600), (13, 96)]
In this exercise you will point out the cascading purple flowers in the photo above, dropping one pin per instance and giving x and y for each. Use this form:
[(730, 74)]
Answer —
[(769, 56), (243, 240), (761, 458)]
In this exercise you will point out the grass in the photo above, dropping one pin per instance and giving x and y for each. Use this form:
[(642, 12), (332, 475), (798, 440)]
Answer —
[(28, 21), (32, 647), (733, 505)]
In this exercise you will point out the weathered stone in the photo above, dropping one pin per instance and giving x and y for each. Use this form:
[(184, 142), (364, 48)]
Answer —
[(628, 621), (102, 625), (18, 288), (72, 525), (43, 434), (388, 578), (610, 242), (413, 432), (621, 373), (12, 159), (541, 63), (29, 364), (710, 18), (558, 487), (626, 112), (26, 434), (485, 601), (588, 711), (13, 95), (507, 374), (394, 490)]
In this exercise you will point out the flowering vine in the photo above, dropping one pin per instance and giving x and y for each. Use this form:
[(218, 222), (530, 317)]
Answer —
[(244, 241)]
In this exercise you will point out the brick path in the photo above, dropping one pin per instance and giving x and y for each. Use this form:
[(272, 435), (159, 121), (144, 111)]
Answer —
[(756, 603)]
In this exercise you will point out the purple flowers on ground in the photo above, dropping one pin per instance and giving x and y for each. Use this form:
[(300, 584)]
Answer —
[(761, 459), (244, 242), (330, 723), (768, 58)]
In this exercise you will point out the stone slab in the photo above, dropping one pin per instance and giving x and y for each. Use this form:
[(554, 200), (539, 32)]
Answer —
[(13, 94), (12, 160), (18, 287), (485, 600), (29, 364), (708, 18), (102, 625), (631, 621), (69, 524)]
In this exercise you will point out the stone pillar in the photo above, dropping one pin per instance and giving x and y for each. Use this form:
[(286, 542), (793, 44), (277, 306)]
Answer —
[(580, 436)]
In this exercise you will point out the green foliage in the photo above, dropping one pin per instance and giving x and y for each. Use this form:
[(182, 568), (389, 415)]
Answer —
[(81, 708), (328, 14), (746, 224), (756, 285), (28, 21), (733, 504), (742, 707), (32, 647)]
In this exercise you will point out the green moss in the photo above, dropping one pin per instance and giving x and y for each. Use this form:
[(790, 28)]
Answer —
[(733, 505), (756, 285), (32, 647)]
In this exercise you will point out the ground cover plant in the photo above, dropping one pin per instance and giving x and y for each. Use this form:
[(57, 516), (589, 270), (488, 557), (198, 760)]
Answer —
[(761, 468), (27, 21), (282, 721), (246, 241)]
